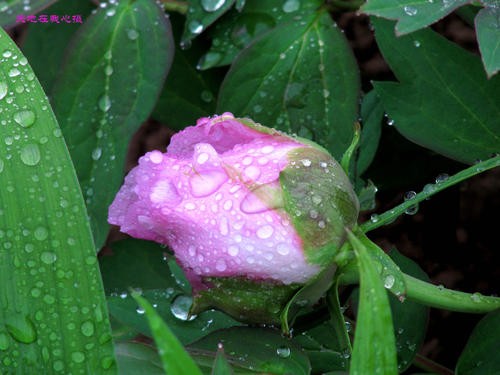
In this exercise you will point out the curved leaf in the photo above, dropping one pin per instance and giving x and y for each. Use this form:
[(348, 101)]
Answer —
[(38, 46), (412, 15), (122, 53), (53, 316), (480, 356), (487, 24), (300, 77), (458, 118)]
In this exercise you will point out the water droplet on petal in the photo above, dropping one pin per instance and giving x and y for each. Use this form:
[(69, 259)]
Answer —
[(21, 328), (14, 72), (389, 281), (87, 328), (265, 231), (220, 265), (441, 178), (48, 258), (410, 10), (208, 182), (96, 153)]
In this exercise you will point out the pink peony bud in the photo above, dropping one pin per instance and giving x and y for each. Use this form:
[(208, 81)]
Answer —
[(251, 213)]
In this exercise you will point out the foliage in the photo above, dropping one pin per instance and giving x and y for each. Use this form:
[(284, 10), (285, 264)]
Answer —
[(285, 64)]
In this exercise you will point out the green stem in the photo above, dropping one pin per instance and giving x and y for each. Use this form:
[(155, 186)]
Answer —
[(431, 189), (442, 298), (337, 319), (346, 158), (435, 296), (175, 6)]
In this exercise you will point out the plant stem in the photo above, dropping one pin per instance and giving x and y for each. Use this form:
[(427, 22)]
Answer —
[(442, 298), (346, 158), (426, 364), (436, 296), (391, 215), (337, 319)]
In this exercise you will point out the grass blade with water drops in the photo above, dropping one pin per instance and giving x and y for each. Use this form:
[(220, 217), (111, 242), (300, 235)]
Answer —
[(122, 54), (53, 315)]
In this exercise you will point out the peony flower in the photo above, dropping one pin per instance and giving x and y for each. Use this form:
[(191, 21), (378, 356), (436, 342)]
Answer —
[(251, 213)]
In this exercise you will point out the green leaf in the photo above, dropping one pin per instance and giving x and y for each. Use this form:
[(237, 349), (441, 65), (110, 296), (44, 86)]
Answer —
[(136, 264), (134, 358), (41, 38), (480, 356), (9, 9), (235, 30), (169, 301), (488, 36), (411, 15), (221, 366), (245, 350), (374, 344), (300, 77), (53, 315), (109, 84), (430, 106), (145, 265), (201, 14), (176, 361), (187, 93), (372, 113), (409, 318)]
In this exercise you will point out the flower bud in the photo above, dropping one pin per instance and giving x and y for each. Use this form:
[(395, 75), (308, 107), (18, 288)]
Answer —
[(251, 213)]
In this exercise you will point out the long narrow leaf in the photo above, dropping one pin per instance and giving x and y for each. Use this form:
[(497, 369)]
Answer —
[(374, 349), (53, 316), (176, 361)]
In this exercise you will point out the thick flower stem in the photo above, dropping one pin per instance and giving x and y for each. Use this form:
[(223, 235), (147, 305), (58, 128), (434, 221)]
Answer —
[(442, 298), (436, 296)]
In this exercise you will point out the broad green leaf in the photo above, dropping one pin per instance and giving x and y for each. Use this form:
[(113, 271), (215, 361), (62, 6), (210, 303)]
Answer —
[(480, 356), (188, 93), (121, 332), (201, 14), (9, 9), (366, 194), (173, 306), (374, 344), (458, 118), (487, 24), (245, 350), (372, 113), (409, 318), (235, 30), (221, 366), (135, 358), (41, 39), (411, 15), (300, 77), (109, 84), (145, 265), (176, 361), (53, 316), (136, 264)]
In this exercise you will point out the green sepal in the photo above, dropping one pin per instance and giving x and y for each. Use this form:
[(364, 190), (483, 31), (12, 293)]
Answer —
[(320, 201), (248, 301)]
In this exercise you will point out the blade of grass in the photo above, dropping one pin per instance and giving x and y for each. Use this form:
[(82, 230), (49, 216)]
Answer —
[(53, 315)]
